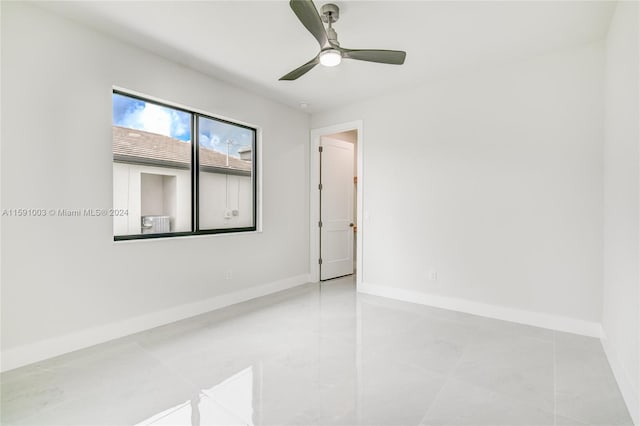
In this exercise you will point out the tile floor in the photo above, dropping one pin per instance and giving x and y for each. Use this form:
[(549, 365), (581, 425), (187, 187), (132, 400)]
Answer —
[(324, 355)]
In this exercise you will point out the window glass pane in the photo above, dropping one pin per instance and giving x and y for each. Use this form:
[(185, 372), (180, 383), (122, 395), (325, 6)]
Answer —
[(226, 187), (152, 152)]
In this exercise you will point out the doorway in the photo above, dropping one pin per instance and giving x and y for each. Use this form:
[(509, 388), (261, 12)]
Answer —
[(336, 183)]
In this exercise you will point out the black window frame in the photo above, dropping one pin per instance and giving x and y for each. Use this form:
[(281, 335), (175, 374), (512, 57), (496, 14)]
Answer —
[(195, 172)]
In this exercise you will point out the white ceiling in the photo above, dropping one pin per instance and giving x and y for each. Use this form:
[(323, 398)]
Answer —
[(253, 43)]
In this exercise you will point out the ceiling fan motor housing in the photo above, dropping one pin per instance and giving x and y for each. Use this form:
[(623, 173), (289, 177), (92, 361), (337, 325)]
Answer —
[(330, 13)]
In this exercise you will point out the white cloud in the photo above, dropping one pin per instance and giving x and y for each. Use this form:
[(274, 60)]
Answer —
[(156, 119), (180, 127), (150, 118)]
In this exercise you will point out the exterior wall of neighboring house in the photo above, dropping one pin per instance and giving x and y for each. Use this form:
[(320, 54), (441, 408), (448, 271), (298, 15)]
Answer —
[(225, 201), (150, 190), (127, 195)]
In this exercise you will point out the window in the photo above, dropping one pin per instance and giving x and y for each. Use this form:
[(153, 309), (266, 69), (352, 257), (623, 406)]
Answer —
[(178, 172)]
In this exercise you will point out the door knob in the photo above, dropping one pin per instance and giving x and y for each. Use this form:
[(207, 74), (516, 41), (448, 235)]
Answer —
[(351, 225)]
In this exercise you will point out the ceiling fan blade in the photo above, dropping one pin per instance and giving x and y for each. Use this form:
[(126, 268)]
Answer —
[(307, 13), (395, 57), (301, 70)]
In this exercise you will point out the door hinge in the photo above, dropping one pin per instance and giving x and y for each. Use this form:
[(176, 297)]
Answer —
[(319, 149), (320, 187), (319, 261), (320, 224)]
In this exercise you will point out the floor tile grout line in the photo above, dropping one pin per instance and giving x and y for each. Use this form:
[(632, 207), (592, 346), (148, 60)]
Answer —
[(518, 400), (167, 366), (570, 417), (435, 399), (448, 378), (450, 375), (188, 381)]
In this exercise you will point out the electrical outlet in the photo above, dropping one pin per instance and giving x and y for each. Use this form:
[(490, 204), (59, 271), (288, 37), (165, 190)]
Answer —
[(433, 276), (228, 275)]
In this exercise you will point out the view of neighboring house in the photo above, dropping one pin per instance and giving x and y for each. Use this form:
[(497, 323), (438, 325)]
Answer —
[(151, 177)]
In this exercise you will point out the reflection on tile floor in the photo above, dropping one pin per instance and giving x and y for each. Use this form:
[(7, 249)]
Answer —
[(324, 355)]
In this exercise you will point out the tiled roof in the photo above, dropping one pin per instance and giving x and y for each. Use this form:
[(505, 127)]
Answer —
[(132, 145)]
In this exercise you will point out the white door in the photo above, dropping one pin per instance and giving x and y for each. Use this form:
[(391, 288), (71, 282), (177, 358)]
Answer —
[(336, 208)]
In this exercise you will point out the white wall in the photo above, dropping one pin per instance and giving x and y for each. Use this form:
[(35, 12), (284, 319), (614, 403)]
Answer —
[(493, 179), (621, 315), (62, 276)]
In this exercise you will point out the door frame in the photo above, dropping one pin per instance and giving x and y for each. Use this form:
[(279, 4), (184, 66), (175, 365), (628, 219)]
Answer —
[(314, 198)]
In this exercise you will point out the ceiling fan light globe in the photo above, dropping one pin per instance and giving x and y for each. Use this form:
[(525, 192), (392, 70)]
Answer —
[(330, 57)]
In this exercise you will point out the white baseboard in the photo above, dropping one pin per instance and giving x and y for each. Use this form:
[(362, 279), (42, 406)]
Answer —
[(537, 319), (627, 389), (49, 348)]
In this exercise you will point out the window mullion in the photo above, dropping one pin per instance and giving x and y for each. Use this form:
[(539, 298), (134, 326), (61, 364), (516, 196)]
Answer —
[(195, 172)]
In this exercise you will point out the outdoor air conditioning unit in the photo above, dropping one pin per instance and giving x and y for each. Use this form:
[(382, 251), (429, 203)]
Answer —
[(156, 224)]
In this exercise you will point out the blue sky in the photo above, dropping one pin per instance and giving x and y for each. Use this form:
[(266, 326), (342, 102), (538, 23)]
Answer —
[(140, 115)]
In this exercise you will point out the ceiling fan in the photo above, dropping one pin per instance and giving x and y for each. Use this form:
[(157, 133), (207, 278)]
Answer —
[(331, 54)]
